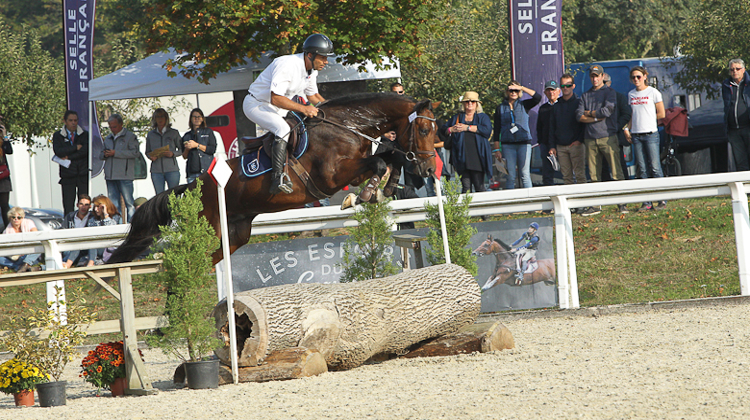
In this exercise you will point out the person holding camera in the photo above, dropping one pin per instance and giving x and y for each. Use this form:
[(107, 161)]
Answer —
[(71, 143)]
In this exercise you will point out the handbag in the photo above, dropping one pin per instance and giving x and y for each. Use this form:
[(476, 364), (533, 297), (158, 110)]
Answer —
[(141, 170), (4, 171)]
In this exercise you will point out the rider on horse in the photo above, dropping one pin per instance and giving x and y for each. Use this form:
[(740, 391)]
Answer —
[(270, 98), (527, 251)]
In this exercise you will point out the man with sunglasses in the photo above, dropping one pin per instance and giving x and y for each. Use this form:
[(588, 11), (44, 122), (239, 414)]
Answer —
[(552, 92), (566, 134), (397, 88), (736, 94)]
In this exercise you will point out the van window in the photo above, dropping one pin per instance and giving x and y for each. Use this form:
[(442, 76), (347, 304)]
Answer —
[(217, 121)]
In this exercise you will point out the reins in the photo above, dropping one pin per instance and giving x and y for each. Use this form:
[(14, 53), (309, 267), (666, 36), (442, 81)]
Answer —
[(410, 155)]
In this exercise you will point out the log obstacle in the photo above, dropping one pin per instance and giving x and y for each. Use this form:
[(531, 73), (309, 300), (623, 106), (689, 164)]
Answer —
[(350, 323)]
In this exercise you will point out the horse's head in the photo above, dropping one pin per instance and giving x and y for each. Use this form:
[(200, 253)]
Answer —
[(485, 248), (419, 138)]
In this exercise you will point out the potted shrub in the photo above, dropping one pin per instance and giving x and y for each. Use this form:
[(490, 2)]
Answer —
[(104, 367), (191, 335), (20, 379), (41, 339)]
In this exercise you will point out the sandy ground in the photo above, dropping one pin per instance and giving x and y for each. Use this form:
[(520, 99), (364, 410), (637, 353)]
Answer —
[(691, 363)]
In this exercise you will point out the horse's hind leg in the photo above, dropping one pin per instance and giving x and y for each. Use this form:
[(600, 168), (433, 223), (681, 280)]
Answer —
[(370, 193)]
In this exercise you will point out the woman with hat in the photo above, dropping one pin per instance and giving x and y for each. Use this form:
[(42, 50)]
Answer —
[(512, 128), (469, 132)]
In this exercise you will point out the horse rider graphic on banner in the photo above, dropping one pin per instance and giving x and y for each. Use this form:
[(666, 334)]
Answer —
[(526, 251)]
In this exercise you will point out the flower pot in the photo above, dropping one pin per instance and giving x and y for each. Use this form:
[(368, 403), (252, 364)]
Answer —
[(202, 374), (52, 394), (24, 398), (118, 387)]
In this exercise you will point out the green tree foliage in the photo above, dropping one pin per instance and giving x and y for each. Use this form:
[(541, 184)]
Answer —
[(187, 276), (365, 255), (595, 30), (717, 32), (456, 208), (45, 16), (32, 98), (217, 35), (469, 51)]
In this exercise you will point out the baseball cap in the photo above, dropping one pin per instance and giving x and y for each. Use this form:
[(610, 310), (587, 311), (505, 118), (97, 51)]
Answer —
[(552, 84), (596, 69), (140, 201)]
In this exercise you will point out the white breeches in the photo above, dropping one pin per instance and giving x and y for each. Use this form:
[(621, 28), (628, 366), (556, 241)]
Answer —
[(267, 116)]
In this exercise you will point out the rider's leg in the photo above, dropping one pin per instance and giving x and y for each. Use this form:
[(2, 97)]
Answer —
[(280, 181), (267, 116)]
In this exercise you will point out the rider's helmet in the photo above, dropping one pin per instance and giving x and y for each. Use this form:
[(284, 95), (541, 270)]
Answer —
[(534, 225), (318, 44)]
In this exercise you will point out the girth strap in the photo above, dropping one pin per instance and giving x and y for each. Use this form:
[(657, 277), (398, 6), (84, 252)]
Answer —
[(306, 179)]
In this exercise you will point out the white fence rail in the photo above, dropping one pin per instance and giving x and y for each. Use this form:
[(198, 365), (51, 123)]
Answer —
[(559, 198)]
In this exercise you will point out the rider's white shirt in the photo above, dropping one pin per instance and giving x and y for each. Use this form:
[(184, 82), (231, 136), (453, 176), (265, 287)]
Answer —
[(286, 76)]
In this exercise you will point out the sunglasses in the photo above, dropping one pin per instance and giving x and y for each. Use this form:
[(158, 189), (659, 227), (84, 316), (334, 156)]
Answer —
[(473, 102), (735, 69), (400, 92), (16, 217), (636, 77), (566, 86)]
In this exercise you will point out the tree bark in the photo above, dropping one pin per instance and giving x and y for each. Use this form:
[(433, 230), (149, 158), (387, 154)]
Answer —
[(292, 363), (349, 323)]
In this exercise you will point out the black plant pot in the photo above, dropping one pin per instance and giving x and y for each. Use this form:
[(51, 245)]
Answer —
[(202, 374), (52, 394)]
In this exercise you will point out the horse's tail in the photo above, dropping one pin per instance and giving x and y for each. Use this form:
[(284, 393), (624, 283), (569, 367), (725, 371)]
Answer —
[(145, 226)]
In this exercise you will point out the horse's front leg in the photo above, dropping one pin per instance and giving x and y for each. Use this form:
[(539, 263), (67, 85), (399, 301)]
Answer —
[(370, 193)]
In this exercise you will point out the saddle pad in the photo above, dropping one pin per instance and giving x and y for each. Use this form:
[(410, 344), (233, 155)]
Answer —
[(259, 161)]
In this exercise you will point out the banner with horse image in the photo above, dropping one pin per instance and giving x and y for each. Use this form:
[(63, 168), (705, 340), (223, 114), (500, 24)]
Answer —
[(315, 260)]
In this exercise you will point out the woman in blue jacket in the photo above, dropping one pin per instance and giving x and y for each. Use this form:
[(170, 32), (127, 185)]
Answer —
[(469, 132), (512, 127), (199, 146)]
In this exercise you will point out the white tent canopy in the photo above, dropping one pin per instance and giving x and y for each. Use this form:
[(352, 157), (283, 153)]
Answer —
[(148, 78)]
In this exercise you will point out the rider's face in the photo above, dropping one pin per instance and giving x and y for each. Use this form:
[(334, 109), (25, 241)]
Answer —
[(531, 230), (319, 62)]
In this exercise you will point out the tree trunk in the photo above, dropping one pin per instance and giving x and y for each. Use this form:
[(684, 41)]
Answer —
[(291, 363), (349, 323)]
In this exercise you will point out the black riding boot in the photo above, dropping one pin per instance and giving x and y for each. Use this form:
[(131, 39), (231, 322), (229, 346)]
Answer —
[(280, 181)]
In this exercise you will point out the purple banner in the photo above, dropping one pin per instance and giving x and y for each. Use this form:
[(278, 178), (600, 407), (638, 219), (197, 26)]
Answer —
[(78, 24), (536, 45)]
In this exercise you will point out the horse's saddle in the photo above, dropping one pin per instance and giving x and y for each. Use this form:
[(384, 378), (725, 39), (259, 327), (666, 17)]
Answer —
[(256, 156)]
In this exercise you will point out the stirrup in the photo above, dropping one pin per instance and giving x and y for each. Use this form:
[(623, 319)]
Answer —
[(285, 184)]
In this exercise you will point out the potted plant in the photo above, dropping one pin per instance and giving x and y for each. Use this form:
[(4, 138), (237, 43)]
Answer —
[(47, 338), (104, 367), (191, 335), (20, 379)]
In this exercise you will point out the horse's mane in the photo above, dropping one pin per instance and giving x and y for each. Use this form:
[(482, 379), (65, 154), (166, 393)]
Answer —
[(357, 110), (503, 245), (358, 100)]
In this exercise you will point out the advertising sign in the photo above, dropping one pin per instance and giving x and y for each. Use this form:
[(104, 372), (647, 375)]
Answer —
[(500, 247)]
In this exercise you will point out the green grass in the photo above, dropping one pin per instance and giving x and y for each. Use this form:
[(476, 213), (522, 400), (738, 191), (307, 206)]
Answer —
[(684, 252)]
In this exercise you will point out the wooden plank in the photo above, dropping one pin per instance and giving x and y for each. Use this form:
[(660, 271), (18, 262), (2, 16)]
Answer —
[(107, 270), (135, 370), (104, 284), (111, 326)]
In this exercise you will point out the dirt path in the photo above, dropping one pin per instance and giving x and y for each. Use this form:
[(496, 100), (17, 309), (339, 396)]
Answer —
[(691, 363)]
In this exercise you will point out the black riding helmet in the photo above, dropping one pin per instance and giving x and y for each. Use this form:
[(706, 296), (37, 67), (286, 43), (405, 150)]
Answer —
[(318, 44)]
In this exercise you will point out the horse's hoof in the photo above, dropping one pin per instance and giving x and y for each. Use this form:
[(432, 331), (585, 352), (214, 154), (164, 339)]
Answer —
[(349, 201)]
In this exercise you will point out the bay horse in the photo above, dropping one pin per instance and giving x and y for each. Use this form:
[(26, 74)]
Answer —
[(505, 266), (339, 153)]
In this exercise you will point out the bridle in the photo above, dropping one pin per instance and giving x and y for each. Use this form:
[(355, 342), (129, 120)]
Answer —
[(411, 154)]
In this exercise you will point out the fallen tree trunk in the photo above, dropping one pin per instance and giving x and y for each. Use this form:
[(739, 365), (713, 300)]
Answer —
[(349, 323), (477, 338), (292, 363)]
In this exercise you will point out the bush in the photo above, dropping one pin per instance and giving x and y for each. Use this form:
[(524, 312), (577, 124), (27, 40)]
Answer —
[(17, 376), (456, 208), (365, 255), (187, 275)]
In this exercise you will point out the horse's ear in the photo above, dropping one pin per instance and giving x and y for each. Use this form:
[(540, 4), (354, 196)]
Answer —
[(436, 104), (421, 105)]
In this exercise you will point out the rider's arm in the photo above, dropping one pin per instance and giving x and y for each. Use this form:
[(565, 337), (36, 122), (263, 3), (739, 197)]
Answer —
[(315, 99), (285, 103), (519, 240)]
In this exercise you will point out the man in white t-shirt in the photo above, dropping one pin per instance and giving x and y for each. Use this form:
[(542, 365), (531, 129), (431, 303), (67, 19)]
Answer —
[(642, 131), (270, 98)]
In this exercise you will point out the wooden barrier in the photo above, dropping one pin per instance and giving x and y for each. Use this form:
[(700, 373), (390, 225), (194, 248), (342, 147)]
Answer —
[(137, 378)]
